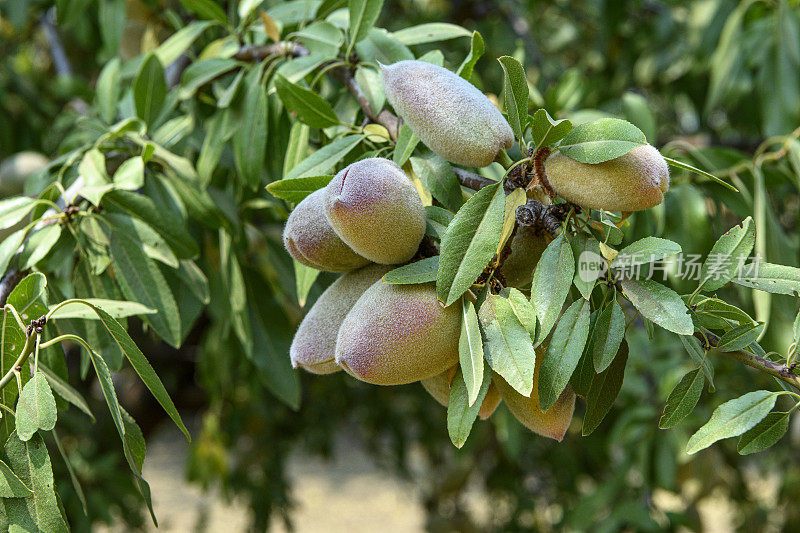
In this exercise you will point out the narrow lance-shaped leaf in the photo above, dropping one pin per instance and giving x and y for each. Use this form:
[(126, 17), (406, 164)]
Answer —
[(515, 93), (604, 390), (149, 90), (507, 344), (660, 304), (609, 331), (461, 415), (740, 337), (363, 14), (422, 271), (476, 50), (141, 281), (296, 189), (470, 350), (551, 282), (250, 140), (727, 255), (733, 418), (546, 131), (470, 242), (141, 366), (764, 434), (309, 107), (683, 399), (601, 140), (563, 353)]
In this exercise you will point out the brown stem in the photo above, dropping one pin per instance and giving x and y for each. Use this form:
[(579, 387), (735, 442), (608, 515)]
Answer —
[(782, 372), (471, 180)]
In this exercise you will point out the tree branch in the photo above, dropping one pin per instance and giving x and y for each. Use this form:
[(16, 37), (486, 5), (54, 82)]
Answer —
[(471, 180), (782, 372)]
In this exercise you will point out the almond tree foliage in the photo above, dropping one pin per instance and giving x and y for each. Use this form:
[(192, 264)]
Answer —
[(181, 151)]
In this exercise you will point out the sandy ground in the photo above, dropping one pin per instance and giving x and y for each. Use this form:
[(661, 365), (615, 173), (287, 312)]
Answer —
[(347, 493)]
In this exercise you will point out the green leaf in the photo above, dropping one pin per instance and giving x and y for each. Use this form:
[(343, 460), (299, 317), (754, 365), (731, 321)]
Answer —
[(180, 41), (470, 350), (371, 84), (407, 141), (111, 19), (363, 14), (714, 308), (438, 177), (582, 243), (75, 483), (515, 93), (740, 337), (250, 140), (644, 251), (171, 225), (93, 170), (115, 308), (60, 386), (321, 37), (727, 255), (323, 160), (604, 391), (733, 418), (698, 355), (601, 140), (36, 408), (39, 245), (609, 330), (660, 304), (12, 210), (476, 50), (563, 353), (149, 90), (438, 219), (460, 414), (203, 71), (295, 189), (422, 271), (507, 344), (380, 46), (272, 334), (767, 277), (685, 166), (206, 9), (30, 461), (546, 131), (139, 363), (10, 485), (304, 277), (764, 434), (107, 90), (308, 106), (683, 399), (523, 309), (130, 174), (297, 147), (430, 33), (552, 279), (470, 242), (138, 231), (141, 281), (107, 387), (9, 247)]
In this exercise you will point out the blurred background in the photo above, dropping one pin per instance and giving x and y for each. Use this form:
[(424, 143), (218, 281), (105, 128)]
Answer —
[(711, 80)]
